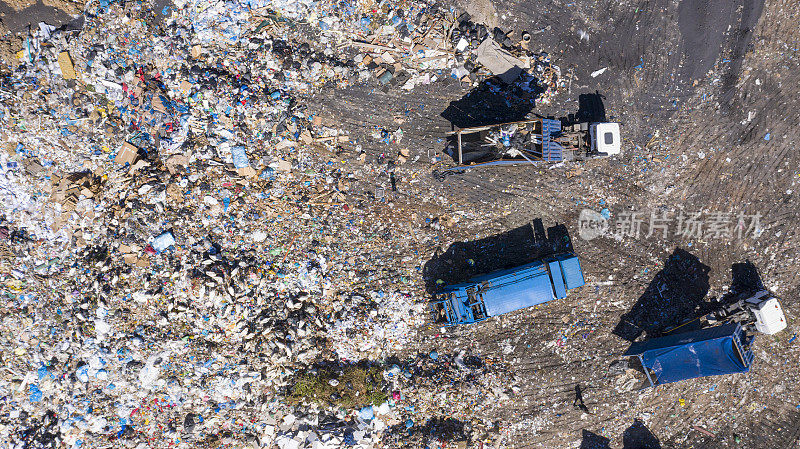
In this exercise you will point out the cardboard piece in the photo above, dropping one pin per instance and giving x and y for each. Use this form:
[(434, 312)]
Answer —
[(67, 67), (284, 165), (129, 153), (33, 166), (67, 190), (158, 105), (284, 144), (246, 172), (175, 161)]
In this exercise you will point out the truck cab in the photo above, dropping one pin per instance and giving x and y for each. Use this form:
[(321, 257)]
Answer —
[(505, 291), (767, 312), (605, 139)]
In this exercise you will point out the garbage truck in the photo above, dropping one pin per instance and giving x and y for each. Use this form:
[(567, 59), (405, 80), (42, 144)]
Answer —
[(722, 344), (532, 141), (505, 291)]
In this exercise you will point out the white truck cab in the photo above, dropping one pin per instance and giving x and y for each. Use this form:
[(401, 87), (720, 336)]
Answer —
[(605, 138), (767, 311)]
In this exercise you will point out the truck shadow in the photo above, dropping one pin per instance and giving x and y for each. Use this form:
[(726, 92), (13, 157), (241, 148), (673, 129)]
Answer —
[(493, 102), (590, 109), (592, 440), (745, 277), (637, 436), (463, 260), (676, 293)]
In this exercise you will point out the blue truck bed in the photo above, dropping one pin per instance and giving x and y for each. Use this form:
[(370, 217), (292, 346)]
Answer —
[(707, 352), (508, 290)]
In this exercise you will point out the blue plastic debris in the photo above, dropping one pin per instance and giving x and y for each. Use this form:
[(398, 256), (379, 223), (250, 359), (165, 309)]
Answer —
[(163, 241), (366, 413), (268, 174), (240, 157), (83, 373), (36, 393)]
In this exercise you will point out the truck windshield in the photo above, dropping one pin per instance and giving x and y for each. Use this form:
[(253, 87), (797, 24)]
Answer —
[(443, 311), (475, 303)]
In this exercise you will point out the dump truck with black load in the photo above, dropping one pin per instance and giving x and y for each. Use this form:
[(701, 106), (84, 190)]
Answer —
[(532, 141)]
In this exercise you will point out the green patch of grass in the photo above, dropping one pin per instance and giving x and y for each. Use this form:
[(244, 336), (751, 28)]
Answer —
[(358, 386)]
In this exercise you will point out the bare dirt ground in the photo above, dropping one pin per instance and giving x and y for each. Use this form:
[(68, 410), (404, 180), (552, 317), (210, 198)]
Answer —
[(706, 93)]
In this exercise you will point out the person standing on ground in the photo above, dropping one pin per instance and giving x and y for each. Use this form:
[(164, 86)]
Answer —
[(578, 402)]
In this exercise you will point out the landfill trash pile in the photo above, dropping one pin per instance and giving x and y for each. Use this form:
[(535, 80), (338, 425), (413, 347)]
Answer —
[(165, 312), (174, 250), (353, 340), (440, 398)]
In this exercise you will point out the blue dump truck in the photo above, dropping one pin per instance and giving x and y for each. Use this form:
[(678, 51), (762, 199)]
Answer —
[(505, 291), (706, 352), (721, 346)]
